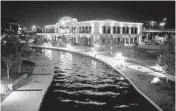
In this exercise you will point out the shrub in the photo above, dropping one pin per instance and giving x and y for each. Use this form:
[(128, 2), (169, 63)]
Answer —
[(167, 62), (167, 59)]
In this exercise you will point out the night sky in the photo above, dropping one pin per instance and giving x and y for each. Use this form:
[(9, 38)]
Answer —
[(43, 12)]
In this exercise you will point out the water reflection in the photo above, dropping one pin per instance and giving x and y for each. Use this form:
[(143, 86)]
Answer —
[(47, 53), (84, 83)]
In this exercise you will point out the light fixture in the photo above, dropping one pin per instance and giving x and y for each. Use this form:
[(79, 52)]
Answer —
[(155, 80), (69, 46), (120, 58), (165, 19), (162, 24), (93, 51)]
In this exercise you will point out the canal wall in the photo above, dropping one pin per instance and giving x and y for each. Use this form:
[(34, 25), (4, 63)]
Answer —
[(111, 64)]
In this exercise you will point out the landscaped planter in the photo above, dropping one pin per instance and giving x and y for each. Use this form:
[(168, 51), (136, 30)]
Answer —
[(18, 82)]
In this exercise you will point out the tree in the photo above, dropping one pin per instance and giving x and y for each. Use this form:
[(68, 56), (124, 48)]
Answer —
[(167, 59), (24, 52), (15, 50), (9, 61)]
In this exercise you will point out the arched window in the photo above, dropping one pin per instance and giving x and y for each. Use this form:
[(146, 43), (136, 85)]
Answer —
[(87, 29), (104, 29), (74, 29), (132, 30), (118, 30), (123, 30), (127, 30), (109, 30), (114, 30), (90, 29), (136, 29), (79, 29), (82, 29), (53, 30)]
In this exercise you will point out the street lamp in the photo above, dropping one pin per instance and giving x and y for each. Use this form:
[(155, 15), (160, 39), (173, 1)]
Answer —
[(120, 58), (69, 46), (93, 51), (151, 23), (33, 28), (165, 19), (162, 24)]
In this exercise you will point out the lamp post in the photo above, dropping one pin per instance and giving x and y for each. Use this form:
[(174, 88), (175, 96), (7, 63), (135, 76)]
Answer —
[(93, 51), (120, 59), (33, 28), (151, 23), (162, 24)]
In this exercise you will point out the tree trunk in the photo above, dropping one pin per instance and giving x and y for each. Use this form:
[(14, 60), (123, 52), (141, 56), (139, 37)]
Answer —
[(8, 75), (19, 69)]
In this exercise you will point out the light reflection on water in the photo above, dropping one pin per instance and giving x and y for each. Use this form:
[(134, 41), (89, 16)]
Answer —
[(81, 82)]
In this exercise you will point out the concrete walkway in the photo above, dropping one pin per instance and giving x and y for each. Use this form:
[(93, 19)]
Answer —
[(29, 97), (138, 75)]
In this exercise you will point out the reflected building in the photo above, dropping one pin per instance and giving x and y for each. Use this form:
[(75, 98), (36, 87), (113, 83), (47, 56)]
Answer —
[(104, 32)]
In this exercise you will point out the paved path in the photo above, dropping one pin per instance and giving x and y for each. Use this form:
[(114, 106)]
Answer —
[(30, 95), (140, 76)]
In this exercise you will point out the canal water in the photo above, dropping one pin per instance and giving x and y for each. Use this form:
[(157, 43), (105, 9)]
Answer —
[(82, 83)]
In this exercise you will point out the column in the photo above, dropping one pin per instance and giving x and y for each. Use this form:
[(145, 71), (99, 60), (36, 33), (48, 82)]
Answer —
[(129, 30), (138, 30), (147, 35), (124, 41), (137, 39), (88, 41), (140, 39), (111, 28), (129, 40), (121, 30)]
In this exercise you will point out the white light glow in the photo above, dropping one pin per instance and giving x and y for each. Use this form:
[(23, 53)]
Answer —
[(155, 80), (48, 53), (165, 19), (120, 58), (119, 55), (162, 24), (93, 51), (69, 47)]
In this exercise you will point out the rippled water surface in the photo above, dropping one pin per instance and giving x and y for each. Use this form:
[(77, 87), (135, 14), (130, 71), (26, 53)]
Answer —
[(81, 83)]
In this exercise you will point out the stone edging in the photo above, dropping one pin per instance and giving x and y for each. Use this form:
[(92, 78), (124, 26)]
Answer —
[(138, 90), (18, 81), (46, 87), (45, 91)]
